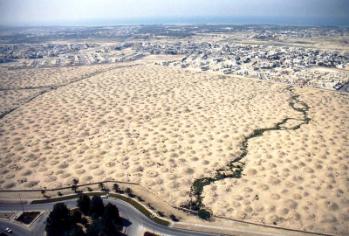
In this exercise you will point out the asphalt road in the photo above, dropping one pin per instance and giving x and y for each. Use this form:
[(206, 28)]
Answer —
[(17, 230), (127, 211), (345, 88)]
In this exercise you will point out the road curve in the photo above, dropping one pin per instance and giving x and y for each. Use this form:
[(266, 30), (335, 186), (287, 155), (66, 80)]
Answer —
[(126, 210)]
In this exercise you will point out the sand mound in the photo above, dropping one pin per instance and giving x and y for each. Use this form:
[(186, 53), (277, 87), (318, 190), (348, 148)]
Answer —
[(296, 179), (10, 99), (43, 77), (21, 85), (164, 128)]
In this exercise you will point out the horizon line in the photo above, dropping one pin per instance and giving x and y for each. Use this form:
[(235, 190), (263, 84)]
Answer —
[(193, 20)]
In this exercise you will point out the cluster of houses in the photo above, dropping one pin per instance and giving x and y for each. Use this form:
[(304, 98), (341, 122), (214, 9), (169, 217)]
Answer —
[(55, 55), (36, 51), (266, 61), (280, 63)]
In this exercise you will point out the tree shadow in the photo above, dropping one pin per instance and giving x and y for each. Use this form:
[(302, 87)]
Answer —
[(125, 222)]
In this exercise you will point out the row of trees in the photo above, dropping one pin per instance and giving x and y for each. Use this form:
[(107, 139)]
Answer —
[(104, 219)]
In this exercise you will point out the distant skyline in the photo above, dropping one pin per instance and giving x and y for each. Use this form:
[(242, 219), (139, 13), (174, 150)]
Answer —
[(113, 12)]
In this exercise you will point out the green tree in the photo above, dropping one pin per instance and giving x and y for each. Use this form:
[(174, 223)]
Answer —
[(76, 217), (76, 231), (95, 228), (111, 220), (97, 206), (84, 203), (59, 220)]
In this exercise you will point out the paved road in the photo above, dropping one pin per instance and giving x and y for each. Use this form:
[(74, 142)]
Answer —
[(17, 230), (345, 88), (126, 210)]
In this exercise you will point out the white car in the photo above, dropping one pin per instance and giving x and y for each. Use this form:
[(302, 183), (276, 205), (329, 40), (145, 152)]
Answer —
[(8, 230)]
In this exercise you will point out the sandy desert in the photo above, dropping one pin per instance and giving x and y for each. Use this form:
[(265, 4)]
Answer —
[(165, 128)]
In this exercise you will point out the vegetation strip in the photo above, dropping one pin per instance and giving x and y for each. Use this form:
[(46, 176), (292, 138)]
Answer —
[(235, 167)]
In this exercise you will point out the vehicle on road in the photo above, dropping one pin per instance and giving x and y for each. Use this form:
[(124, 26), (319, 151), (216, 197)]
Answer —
[(8, 230)]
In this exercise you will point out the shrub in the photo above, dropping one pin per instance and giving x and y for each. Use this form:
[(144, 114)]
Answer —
[(129, 192), (116, 188), (174, 218), (204, 214), (74, 187)]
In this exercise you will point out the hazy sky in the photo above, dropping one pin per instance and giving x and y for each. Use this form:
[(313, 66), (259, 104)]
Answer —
[(46, 12)]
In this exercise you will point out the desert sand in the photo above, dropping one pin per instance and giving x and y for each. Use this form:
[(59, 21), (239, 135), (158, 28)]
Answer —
[(22, 85), (164, 128), (44, 77), (296, 179)]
